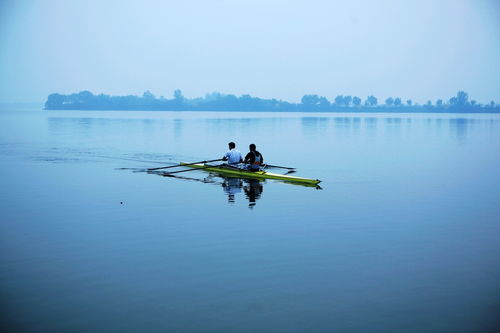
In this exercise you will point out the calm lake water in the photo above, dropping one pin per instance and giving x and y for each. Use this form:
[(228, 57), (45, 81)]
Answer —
[(404, 235)]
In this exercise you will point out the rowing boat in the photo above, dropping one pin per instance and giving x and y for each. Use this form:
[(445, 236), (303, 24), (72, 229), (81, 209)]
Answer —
[(234, 171)]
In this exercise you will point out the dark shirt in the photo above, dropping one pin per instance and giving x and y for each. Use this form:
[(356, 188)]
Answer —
[(250, 158)]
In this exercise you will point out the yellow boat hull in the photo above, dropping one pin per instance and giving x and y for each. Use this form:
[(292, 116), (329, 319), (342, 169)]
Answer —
[(233, 171)]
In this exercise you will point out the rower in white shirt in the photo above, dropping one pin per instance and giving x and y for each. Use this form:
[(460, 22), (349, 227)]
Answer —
[(232, 156)]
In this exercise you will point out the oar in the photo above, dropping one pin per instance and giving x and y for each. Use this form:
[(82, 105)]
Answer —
[(291, 170), (193, 169), (281, 167), (178, 165), (206, 180)]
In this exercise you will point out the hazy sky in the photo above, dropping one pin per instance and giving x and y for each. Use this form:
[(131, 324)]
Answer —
[(283, 49)]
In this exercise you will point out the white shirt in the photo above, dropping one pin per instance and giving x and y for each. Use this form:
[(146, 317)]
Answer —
[(233, 156)]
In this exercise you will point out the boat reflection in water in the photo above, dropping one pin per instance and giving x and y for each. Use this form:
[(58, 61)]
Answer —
[(253, 189), (233, 186)]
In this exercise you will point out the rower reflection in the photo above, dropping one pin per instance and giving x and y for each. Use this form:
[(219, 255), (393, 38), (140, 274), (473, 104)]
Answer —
[(253, 191), (231, 187), (252, 187)]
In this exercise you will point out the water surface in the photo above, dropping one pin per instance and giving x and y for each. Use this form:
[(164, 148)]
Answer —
[(403, 235)]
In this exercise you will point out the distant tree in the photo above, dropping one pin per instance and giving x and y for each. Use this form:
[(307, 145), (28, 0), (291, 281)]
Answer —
[(55, 101), (247, 102), (86, 100), (230, 102), (371, 101), (178, 94), (310, 102), (85, 96), (324, 103), (73, 99), (212, 96), (148, 95), (461, 99), (310, 99), (339, 100)]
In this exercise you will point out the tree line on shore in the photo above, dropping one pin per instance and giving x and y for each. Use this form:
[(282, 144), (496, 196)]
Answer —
[(85, 100)]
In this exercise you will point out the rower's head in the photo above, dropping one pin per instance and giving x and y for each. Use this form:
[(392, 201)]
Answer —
[(231, 145), (252, 147)]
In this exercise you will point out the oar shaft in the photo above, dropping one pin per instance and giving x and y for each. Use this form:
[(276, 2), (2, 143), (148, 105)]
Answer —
[(193, 169), (184, 164), (274, 166), (277, 166)]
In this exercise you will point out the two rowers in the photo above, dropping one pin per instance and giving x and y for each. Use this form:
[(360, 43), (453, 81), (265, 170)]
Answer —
[(253, 160)]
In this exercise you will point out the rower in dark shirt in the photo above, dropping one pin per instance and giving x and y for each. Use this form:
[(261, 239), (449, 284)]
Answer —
[(254, 159)]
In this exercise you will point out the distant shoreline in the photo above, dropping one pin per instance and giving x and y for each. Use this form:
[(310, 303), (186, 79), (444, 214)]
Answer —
[(372, 111), (217, 102), (350, 111)]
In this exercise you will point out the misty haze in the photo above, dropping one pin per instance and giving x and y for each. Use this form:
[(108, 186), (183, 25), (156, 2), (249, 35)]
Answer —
[(249, 166)]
